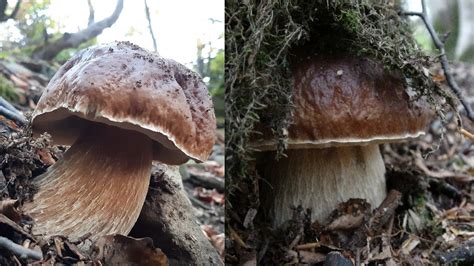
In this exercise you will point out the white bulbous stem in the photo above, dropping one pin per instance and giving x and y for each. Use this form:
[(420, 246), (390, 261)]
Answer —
[(98, 187), (322, 178)]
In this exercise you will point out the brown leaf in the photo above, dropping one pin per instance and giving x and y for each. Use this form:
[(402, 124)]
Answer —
[(123, 250), (438, 78), (209, 196)]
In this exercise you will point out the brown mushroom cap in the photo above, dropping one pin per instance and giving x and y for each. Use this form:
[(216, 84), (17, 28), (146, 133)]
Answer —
[(123, 85), (344, 100)]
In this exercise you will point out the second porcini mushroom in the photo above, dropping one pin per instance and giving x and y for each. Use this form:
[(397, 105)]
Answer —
[(344, 107), (120, 107)]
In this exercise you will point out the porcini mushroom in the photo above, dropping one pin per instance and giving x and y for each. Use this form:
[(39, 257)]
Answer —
[(344, 107), (120, 107)]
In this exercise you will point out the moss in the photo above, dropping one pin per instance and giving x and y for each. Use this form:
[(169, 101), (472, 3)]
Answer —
[(7, 90)]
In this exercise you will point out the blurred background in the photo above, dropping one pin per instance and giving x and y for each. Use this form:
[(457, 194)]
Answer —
[(454, 21), (40, 35)]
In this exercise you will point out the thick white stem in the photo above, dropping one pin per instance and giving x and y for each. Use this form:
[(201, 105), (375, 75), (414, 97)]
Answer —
[(99, 187), (322, 178)]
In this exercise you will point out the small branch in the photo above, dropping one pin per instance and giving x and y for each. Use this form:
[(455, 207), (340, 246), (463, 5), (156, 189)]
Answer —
[(147, 12), (24, 253), (91, 19), (12, 116), (10, 112), (443, 59), (207, 180), (467, 134)]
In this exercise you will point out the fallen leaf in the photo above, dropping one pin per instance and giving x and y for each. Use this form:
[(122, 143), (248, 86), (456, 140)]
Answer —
[(409, 244)]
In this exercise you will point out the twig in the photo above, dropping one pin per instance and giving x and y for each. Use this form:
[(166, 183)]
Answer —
[(237, 238), (308, 246), (10, 112), (12, 116), (8, 105), (467, 134), (24, 253), (443, 59), (147, 13)]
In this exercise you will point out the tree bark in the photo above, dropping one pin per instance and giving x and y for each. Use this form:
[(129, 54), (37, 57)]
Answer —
[(70, 40), (167, 217)]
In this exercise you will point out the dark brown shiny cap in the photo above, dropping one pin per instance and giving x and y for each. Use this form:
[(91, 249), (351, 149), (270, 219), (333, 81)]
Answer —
[(123, 85), (344, 100)]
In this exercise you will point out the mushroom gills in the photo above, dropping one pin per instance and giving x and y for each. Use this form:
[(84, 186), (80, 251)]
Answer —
[(322, 178), (98, 187)]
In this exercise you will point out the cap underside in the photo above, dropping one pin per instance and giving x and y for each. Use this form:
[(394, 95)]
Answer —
[(65, 127)]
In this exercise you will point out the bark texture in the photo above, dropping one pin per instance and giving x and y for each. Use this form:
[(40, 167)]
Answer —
[(322, 178), (168, 218)]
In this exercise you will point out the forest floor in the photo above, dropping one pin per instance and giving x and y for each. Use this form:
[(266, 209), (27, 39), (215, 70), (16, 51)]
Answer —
[(426, 218), (22, 158)]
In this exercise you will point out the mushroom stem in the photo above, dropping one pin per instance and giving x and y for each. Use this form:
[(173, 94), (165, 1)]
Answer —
[(98, 187), (322, 178)]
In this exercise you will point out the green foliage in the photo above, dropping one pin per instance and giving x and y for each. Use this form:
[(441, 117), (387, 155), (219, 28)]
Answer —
[(216, 75), (33, 22), (36, 29), (7, 89), (211, 69), (65, 54)]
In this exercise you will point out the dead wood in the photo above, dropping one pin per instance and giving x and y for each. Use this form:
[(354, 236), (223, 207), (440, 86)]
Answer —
[(19, 250), (385, 211), (168, 218), (206, 180), (336, 259), (463, 254), (70, 40)]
